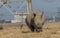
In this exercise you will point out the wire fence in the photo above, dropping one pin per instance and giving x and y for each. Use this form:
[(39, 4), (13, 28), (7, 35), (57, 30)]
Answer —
[(22, 4)]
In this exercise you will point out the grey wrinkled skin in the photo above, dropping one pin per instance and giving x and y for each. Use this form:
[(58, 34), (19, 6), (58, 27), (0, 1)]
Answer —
[(35, 21), (30, 22)]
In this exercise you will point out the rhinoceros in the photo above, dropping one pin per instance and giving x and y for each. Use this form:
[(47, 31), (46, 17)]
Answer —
[(35, 21)]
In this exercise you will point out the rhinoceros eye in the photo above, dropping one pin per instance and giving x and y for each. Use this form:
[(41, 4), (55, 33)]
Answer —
[(34, 15)]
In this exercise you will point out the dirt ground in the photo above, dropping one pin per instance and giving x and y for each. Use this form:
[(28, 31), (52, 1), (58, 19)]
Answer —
[(50, 30)]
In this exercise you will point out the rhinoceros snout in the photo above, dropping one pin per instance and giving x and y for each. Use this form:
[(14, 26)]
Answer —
[(39, 25)]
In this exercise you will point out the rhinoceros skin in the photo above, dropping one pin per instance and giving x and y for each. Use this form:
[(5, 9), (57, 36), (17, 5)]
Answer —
[(35, 21)]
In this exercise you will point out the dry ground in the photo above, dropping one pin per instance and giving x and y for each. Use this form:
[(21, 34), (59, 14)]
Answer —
[(50, 30)]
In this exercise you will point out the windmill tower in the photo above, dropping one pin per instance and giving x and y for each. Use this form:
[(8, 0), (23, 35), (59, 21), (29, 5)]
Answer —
[(19, 16), (29, 6)]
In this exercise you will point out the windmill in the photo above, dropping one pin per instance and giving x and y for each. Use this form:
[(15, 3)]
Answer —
[(29, 6), (29, 10)]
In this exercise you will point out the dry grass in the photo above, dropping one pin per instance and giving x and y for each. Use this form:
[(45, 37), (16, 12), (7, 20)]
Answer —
[(50, 30)]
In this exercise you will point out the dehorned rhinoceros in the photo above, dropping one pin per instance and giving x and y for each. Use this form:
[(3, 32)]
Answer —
[(35, 21)]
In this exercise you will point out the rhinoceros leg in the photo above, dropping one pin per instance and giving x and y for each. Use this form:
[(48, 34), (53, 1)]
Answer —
[(39, 29), (30, 25), (32, 28)]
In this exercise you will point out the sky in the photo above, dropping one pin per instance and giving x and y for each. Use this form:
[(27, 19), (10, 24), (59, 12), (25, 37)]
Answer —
[(49, 7)]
